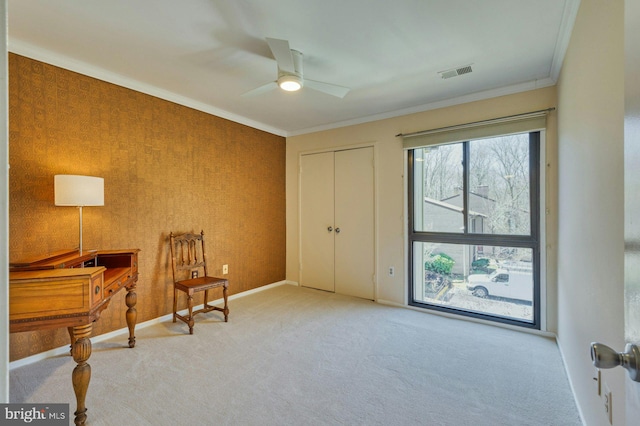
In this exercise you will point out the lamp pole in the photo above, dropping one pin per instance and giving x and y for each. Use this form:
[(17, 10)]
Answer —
[(80, 227)]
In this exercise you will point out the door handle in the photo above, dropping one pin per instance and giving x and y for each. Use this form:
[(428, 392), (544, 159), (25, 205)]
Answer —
[(337, 230), (605, 357), (329, 229)]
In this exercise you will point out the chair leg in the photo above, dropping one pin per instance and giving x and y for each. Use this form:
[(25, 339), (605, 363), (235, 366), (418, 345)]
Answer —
[(226, 308), (206, 298), (175, 303), (190, 317)]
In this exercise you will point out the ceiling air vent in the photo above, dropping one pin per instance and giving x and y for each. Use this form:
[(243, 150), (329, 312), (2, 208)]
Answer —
[(455, 71)]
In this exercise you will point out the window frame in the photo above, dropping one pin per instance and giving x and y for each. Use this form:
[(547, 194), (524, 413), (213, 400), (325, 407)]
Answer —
[(532, 241)]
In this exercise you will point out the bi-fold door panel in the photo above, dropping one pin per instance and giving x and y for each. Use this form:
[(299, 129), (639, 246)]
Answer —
[(354, 266), (316, 217)]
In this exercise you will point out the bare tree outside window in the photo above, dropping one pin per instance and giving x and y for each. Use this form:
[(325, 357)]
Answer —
[(501, 170), (442, 170), (498, 183)]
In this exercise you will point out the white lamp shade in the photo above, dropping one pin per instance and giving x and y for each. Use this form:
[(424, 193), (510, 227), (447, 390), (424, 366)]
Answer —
[(76, 190)]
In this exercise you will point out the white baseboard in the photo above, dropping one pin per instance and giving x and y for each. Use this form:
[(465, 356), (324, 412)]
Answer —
[(571, 383), (106, 336)]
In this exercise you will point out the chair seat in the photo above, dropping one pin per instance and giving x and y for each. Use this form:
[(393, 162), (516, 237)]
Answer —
[(201, 283)]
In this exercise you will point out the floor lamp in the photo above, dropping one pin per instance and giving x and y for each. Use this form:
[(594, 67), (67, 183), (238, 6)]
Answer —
[(78, 191)]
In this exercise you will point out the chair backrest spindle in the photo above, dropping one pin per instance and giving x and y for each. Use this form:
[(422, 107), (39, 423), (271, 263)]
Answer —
[(187, 252)]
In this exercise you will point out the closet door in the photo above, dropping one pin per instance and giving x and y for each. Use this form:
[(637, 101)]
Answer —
[(316, 221), (354, 223), (337, 222)]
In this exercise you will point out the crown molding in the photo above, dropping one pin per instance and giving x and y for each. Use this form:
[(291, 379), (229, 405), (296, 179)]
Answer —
[(478, 96), (564, 36), (25, 49)]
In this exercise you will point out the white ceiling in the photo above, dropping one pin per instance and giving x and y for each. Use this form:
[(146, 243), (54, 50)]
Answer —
[(207, 53)]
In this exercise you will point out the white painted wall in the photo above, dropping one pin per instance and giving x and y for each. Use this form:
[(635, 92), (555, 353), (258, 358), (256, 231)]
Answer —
[(591, 202), (4, 208), (390, 185)]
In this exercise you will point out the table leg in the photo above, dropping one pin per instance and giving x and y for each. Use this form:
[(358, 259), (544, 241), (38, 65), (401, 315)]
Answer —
[(132, 313), (81, 375), (72, 339)]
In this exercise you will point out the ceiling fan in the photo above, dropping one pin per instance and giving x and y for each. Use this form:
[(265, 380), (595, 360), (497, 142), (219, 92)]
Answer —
[(290, 76)]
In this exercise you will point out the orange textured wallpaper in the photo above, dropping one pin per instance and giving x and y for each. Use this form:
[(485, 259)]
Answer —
[(166, 168)]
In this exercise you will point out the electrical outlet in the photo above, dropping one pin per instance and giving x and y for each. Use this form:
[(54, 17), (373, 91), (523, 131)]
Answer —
[(392, 271), (225, 269), (608, 403), (194, 273)]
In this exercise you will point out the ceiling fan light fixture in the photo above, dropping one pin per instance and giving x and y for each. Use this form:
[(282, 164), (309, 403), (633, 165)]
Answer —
[(290, 83), (290, 76)]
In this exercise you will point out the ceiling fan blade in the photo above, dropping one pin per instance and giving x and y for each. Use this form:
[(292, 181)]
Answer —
[(282, 52), (260, 89), (330, 89)]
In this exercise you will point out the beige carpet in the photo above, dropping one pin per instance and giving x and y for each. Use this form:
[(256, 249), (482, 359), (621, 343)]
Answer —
[(296, 356)]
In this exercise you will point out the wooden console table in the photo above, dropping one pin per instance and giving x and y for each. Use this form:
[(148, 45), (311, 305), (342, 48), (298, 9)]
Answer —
[(68, 289)]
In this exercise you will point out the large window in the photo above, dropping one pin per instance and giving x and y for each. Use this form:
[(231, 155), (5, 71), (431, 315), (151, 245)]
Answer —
[(474, 228)]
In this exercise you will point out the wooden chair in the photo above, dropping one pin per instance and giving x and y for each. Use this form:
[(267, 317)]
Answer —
[(189, 264)]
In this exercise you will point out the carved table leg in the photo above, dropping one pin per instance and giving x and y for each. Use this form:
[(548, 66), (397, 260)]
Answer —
[(81, 375), (132, 313), (72, 338)]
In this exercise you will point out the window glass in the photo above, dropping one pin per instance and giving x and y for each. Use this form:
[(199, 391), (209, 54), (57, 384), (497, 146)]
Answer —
[(491, 280), (499, 194), (474, 239), (438, 181)]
